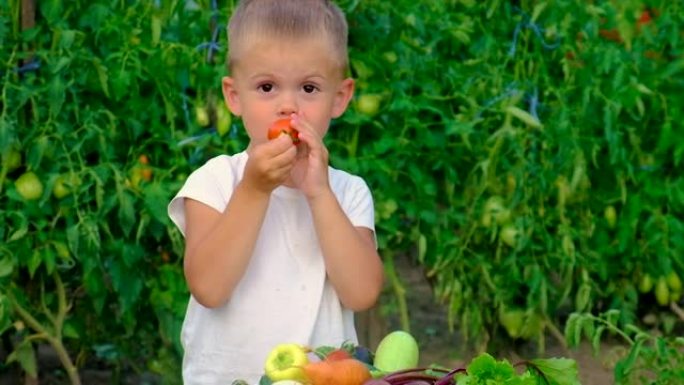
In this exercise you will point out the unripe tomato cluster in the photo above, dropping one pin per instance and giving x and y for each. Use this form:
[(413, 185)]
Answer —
[(495, 213), (666, 288)]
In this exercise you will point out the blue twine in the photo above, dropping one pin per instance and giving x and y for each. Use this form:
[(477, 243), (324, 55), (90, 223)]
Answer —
[(30, 66), (209, 45), (511, 89), (539, 31), (533, 101), (212, 47)]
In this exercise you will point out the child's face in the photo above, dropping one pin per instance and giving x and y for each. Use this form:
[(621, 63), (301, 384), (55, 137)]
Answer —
[(274, 79)]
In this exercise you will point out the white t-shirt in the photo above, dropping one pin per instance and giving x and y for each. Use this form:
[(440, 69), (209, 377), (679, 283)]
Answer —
[(284, 295)]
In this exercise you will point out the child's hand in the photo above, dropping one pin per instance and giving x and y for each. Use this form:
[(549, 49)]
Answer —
[(310, 171), (269, 164)]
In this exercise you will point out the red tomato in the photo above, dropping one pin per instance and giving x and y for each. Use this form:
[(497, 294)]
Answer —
[(645, 18), (611, 34), (283, 126)]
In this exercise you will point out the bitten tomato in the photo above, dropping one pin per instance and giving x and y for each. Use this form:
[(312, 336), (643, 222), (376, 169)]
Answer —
[(282, 126)]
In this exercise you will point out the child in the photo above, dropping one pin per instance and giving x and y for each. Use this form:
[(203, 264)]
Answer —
[(280, 247)]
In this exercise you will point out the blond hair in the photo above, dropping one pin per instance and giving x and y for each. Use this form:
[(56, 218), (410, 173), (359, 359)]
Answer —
[(292, 19)]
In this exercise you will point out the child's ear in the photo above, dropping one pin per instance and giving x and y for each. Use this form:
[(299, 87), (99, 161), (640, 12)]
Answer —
[(230, 95), (343, 96)]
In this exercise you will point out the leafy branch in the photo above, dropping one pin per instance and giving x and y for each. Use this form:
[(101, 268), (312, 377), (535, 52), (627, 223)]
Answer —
[(51, 332)]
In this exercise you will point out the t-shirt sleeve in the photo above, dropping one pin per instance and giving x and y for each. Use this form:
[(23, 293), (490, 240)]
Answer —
[(203, 185), (359, 205)]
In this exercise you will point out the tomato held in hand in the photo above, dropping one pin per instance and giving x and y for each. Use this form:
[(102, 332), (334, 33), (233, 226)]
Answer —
[(283, 126)]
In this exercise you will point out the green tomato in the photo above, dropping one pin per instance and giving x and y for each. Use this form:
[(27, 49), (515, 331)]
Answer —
[(13, 160), (368, 104), (674, 282), (390, 57), (202, 116), (611, 216), (512, 321), (494, 209), (29, 186), (662, 292), (223, 120), (509, 235), (64, 185), (645, 283)]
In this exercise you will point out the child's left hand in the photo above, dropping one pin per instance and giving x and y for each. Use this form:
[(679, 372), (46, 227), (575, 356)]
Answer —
[(310, 171)]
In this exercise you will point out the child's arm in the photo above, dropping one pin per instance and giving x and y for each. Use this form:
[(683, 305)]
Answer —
[(352, 262), (219, 245)]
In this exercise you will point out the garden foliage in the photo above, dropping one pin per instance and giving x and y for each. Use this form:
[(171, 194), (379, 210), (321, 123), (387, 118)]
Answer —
[(526, 155)]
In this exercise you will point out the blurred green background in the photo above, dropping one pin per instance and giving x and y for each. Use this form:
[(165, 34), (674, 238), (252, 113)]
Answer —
[(525, 156)]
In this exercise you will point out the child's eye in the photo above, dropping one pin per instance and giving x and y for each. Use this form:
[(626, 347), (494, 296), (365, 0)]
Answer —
[(309, 88), (267, 87)]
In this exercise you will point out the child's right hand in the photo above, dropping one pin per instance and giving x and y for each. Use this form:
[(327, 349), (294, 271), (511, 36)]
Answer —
[(269, 164)]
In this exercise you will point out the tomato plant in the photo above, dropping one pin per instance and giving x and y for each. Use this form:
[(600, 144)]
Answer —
[(533, 160), (95, 128), (525, 155)]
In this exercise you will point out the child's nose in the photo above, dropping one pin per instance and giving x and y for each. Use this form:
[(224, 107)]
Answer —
[(288, 104)]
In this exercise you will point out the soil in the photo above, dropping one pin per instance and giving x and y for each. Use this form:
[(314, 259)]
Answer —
[(428, 325)]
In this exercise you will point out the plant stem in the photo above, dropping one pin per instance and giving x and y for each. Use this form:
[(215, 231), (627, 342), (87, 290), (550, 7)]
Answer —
[(677, 310), (399, 291), (44, 333)]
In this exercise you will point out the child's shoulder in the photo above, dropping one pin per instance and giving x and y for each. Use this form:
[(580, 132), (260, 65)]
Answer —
[(341, 179), (223, 162)]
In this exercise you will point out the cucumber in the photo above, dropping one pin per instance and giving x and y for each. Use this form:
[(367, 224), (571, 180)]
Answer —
[(398, 350)]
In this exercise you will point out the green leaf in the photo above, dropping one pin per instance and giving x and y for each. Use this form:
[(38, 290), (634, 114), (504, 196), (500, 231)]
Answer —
[(524, 116), (673, 68), (34, 261), (323, 351), (95, 288), (126, 282), (485, 367), (126, 213), (6, 265), (156, 27), (626, 365), (596, 338), (557, 371), (102, 76), (156, 200), (25, 355), (573, 329), (5, 313)]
